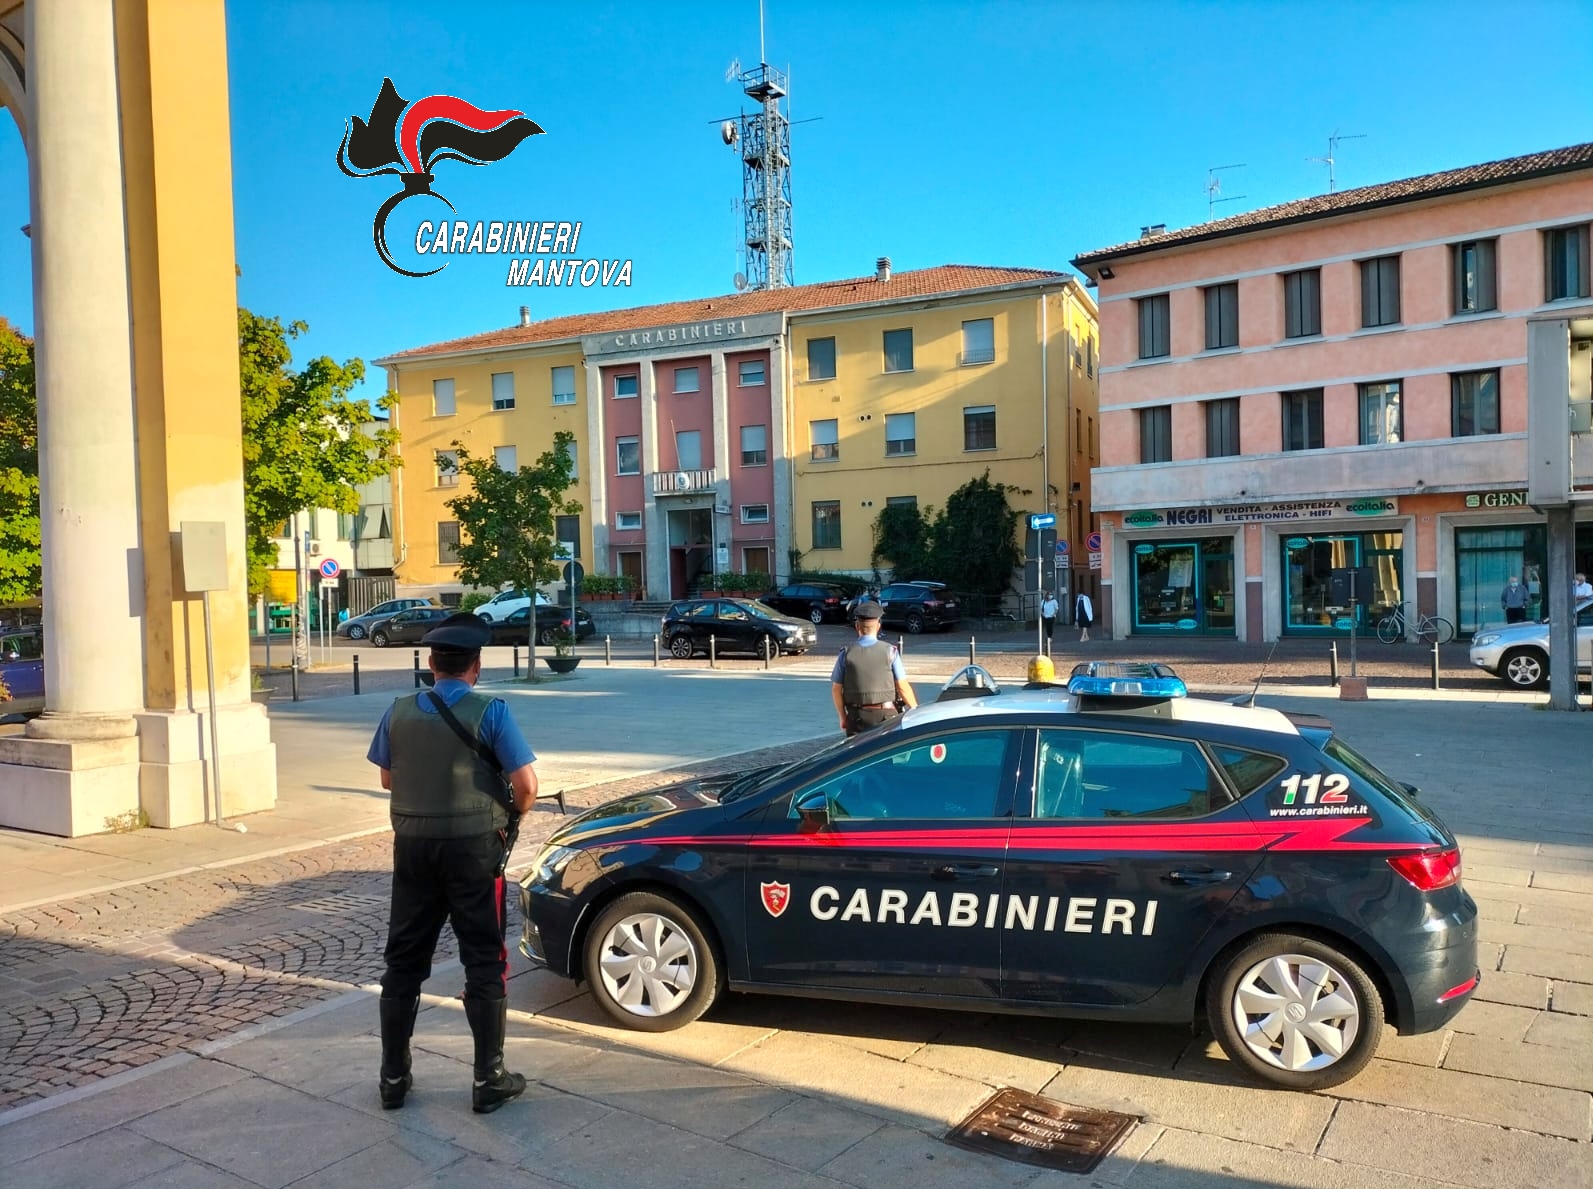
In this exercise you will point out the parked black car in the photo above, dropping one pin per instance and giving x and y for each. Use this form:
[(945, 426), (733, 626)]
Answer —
[(919, 606), (407, 626), (738, 625), (360, 625), (816, 602), (551, 619)]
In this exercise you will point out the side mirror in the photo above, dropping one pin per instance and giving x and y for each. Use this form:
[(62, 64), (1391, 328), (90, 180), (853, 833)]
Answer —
[(813, 810)]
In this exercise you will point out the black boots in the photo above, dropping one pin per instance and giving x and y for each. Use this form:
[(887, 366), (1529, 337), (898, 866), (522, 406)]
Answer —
[(493, 1085), (398, 1025)]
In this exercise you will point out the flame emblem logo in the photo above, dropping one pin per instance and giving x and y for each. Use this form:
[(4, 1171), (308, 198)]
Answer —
[(775, 897), (410, 139)]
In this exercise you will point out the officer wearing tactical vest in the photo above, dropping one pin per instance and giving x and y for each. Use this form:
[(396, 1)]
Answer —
[(461, 774), (869, 678)]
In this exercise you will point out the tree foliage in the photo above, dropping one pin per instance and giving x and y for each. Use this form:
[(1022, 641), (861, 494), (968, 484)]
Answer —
[(901, 540), (304, 441), (971, 545), (20, 565), (507, 520)]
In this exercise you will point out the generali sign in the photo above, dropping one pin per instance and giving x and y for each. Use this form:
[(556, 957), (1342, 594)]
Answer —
[(1253, 513)]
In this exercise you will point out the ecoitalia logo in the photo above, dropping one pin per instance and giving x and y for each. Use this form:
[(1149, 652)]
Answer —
[(409, 140)]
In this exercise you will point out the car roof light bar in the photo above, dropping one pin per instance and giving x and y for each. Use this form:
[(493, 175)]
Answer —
[(1141, 680)]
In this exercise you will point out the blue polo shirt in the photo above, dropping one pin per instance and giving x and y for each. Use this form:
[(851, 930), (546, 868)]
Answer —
[(498, 730), (898, 670)]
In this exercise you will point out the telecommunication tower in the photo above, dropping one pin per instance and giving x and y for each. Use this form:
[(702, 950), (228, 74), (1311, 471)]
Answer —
[(764, 138)]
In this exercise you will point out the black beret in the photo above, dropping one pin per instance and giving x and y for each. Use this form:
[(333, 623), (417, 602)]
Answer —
[(461, 632)]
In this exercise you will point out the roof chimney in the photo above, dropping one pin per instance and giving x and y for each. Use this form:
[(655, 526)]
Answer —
[(525, 315), (1153, 229), (882, 269)]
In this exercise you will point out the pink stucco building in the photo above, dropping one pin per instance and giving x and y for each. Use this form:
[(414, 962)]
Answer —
[(1339, 381)]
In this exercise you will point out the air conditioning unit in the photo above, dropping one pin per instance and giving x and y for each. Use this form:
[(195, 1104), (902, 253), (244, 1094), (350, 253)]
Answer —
[(315, 549)]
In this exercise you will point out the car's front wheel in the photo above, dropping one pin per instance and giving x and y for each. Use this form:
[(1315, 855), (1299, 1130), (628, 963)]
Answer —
[(1524, 668), (650, 964), (1294, 1012), (355, 632), (379, 638), (680, 646)]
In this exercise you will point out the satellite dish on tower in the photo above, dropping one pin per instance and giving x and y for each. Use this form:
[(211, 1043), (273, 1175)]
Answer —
[(729, 132), (741, 281)]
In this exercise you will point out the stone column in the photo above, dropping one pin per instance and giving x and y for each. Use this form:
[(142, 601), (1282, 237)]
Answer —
[(724, 523), (597, 470), (655, 515)]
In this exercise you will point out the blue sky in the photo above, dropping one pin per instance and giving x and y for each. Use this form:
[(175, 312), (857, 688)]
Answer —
[(988, 133)]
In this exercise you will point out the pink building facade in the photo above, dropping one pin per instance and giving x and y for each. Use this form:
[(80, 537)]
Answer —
[(1337, 382)]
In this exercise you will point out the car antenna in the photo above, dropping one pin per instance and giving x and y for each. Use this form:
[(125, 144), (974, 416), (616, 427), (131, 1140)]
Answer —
[(1261, 676)]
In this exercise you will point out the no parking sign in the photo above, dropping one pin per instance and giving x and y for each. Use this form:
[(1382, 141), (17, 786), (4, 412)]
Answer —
[(330, 568)]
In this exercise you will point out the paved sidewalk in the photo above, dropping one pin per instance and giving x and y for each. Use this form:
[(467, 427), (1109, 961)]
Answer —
[(791, 1092)]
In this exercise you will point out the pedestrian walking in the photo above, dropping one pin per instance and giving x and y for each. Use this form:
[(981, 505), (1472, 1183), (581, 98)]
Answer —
[(1084, 613), (1514, 599), (461, 774), (1048, 609), (869, 682), (1580, 589)]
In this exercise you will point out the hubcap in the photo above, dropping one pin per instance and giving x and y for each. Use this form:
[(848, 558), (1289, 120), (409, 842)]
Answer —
[(1523, 670), (1296, 1012), (648, 965)]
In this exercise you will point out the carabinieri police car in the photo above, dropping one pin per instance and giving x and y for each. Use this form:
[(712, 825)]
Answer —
[(1112, 849)]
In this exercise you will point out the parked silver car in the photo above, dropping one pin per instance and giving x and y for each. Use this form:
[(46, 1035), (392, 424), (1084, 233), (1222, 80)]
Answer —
[(1518, 653)]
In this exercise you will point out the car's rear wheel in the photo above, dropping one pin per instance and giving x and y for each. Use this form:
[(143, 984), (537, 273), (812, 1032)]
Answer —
[(379, 638), (650, 964), (680, 646), (355, 632), (1294, 1012), (816, 614), (1524, 668), (545, 636), (915, 623)]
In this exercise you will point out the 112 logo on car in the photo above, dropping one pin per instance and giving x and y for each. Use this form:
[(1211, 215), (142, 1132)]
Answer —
[(1318, 789)]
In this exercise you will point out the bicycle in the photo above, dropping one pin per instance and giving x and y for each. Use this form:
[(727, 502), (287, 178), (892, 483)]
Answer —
[(1395, 625)]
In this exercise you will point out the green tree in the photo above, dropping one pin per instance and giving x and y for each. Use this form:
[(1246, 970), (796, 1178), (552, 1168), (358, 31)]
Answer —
[(304, 439), (901, 541), (20, 566), (507, 521), (975, 540)]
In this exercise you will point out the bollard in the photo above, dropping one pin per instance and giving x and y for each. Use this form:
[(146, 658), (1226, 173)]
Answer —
[(901, 645), (971, 652), (1333, 663), (517, 661), (608, 650), (356, 672), (1435, 664), (766, 652), (417, 668), (295, 683), (655, 650), (713, 652)]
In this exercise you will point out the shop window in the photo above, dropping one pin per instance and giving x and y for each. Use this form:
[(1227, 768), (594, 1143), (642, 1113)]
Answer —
[(1488, 557), (1184, 586), (1308, 564)]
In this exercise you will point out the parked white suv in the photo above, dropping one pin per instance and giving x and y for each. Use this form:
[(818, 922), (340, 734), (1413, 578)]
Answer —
[(506, 602), (1519, 652)]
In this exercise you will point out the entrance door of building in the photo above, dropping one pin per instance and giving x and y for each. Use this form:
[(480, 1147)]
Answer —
[(755, 560), (630, 568), (691, 549)]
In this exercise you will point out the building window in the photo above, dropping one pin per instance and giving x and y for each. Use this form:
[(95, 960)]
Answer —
[(1154, 342), (1476, 276), (347, 525), (898, 350), (1380, 291), (624, 386), (628, 522), (1380, 416), (567, 531), (442, 398), (826, 524), (1078, 431), (1156, 434), (825, 440), (979, 341), (564, 385), (901, 501), (901, 433), (1095, 444), (1474, 399), (688, 450), (1222, 428), (447, 542), (979, 427), (1565, 262), (627, 456), (506, 458), (502, 391), (686, 380), (750, 373), (1302, 420), (754, 445), (754, 513), (447, 468), (1302, 303), (1222, 316), (573, 453), (821, 359), (1089, 356)]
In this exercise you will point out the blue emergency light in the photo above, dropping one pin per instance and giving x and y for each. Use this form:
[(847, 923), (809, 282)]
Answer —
[(1125, 679)]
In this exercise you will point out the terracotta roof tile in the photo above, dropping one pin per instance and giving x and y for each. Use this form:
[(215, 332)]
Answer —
[(1431, 185), (903, 286)]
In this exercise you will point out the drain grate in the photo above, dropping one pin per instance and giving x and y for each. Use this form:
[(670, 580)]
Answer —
[(1017, 1125)]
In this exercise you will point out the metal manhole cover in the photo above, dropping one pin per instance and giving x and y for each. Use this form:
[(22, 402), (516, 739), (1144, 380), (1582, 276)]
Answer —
[(1021, 1126)]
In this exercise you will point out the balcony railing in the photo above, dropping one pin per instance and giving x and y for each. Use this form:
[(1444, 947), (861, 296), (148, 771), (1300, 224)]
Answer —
[(683, 482)]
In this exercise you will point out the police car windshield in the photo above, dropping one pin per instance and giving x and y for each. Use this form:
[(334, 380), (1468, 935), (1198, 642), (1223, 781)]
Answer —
[(759, 779)]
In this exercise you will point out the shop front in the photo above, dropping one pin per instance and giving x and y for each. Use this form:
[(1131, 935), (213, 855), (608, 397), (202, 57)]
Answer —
[(1182, 586), (1309, 605), (1493, 536)]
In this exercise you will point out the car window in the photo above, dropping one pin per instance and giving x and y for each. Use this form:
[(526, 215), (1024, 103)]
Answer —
[(22, 648), (959, 774), (734, 612), (1248, 770), (698, 611), (1102, 775)]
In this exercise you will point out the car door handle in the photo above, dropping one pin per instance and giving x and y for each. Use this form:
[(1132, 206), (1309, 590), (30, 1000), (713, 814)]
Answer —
[(1196, 876), (967, 871)]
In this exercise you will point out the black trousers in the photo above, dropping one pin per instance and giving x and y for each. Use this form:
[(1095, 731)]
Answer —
[(454, 880), (861, 718)]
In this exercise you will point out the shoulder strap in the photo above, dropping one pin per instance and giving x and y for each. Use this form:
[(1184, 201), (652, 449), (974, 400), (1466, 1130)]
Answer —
[(475, 743)]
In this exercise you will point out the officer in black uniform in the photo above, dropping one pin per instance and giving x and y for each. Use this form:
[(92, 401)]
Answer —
[(869, 681), (461, 774)]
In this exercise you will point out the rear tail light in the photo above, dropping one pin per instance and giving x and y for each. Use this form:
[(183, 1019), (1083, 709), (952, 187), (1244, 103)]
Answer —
[(1465, 988), (1429, 870), (932, 602)]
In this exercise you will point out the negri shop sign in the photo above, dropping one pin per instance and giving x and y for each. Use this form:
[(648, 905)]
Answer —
[(1256, 513)]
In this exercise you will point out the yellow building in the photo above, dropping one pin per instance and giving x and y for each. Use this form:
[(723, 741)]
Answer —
[(731, 433)]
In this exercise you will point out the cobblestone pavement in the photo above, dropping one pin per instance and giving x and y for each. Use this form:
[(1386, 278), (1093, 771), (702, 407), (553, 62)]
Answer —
[(94, 986)]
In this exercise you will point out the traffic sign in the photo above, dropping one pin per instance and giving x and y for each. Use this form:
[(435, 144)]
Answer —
[(1092, 543), (573, 573), (1095, 561), (330, 568), (1062, 548), (1042, 519)]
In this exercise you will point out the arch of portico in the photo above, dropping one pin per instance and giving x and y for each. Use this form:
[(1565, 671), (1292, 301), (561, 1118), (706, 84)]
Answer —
[(123, 109)]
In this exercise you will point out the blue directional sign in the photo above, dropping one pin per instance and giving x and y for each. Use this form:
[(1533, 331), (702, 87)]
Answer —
[(1042, 519)]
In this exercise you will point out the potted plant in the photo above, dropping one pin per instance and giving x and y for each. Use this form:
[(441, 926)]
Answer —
[(563, 659), (259, 691)]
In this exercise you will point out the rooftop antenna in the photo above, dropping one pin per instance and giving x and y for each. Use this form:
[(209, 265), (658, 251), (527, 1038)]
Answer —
[(1214, 188), (1332, 155)]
